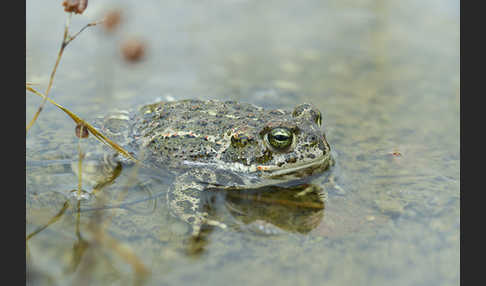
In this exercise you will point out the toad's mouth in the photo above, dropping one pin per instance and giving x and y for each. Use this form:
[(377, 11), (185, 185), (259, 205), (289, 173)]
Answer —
[(296, 169), (289, 171)]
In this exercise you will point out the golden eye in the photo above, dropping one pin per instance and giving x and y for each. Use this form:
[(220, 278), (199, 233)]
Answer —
[(280, 138)]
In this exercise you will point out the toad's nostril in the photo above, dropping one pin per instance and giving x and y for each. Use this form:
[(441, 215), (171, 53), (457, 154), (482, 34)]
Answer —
[(312, 138)]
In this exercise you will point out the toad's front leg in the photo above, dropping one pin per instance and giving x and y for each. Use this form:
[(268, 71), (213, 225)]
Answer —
[(184, 198)]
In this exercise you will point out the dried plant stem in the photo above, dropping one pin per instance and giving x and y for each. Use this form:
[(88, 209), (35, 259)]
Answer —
[(51, 221), (65, 41), (78, 219), (70, 38), (90, 128), (53, 73), (80, 166)]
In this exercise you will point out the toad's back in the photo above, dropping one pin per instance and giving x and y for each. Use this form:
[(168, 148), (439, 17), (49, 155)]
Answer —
[(239, 137), (195, 130)]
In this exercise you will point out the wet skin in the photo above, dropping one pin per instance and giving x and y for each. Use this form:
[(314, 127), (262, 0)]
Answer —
[(228, 145)]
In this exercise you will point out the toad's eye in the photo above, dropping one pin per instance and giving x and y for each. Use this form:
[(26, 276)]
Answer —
[(280, 138)]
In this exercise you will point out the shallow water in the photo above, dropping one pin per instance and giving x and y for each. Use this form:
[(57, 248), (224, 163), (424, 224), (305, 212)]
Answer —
[(385, 75)]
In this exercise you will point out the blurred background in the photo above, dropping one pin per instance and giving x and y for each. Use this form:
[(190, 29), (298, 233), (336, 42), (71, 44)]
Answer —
[(384, 74)]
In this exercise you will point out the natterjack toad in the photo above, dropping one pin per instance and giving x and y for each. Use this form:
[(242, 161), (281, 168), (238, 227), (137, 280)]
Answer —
[(221, 145)]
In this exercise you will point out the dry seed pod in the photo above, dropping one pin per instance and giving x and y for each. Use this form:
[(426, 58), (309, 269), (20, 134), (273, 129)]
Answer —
[(133, 50), (81, 131), (76, 6), (112, 20)]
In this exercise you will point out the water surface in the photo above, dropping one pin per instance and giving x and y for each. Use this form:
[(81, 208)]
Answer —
[(385, 75)]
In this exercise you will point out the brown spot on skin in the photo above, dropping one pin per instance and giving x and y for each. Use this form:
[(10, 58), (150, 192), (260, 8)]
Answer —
[(292, 160), (194, 107)]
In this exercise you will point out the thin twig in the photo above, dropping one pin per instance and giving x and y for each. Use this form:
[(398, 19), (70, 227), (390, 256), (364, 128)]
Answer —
[(51, 221), (90, 128), (80, 166), (70, 38), (65, 41)]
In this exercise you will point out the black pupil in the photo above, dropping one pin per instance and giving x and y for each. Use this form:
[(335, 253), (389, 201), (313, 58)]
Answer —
[(281, 137)]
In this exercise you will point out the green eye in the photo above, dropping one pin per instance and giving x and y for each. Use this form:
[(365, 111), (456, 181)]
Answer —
[(280, 137)]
